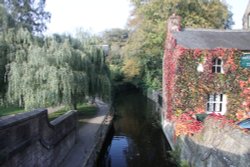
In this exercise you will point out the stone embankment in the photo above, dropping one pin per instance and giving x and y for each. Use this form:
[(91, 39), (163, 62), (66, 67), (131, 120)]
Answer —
[(218, 145), (91, 137), (29, 139)]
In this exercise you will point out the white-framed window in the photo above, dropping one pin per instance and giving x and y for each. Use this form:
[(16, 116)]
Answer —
[(217, 65), (216, 103)]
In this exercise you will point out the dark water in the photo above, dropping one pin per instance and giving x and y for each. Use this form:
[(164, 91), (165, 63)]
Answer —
[(136, 140)]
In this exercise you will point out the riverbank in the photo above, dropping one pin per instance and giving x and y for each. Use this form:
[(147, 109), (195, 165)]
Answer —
[(91, 135)]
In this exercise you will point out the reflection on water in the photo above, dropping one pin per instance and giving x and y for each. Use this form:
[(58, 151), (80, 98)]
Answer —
[(136, 140)]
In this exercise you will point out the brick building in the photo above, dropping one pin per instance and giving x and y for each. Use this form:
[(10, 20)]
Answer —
[(205, 70)]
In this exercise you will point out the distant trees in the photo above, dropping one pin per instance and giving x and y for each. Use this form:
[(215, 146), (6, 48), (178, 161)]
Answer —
[(116, 39), (29, 14), (148, 30)]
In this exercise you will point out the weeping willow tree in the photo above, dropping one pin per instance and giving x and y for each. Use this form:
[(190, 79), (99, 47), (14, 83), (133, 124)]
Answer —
[(3, 61), (62, 70)]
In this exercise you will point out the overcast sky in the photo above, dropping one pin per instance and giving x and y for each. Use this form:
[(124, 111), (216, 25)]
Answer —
[(98, 15)]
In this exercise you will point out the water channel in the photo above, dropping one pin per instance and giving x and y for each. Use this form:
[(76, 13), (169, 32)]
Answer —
[(136, 140)]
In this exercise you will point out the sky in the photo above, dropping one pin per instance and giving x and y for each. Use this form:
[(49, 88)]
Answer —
[(98, 15), (91, 15)]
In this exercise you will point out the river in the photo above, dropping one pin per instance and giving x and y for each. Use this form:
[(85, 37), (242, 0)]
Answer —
[(136, 140)]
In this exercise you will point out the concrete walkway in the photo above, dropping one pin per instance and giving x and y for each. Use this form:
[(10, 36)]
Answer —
[(87, 138)]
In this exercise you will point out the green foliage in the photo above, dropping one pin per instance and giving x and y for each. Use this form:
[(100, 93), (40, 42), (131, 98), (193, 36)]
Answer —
[(176, 157), (3, 62), (6, 21), (116, 40), (84, 111), (148, 23), (29, 14), (60, 70)]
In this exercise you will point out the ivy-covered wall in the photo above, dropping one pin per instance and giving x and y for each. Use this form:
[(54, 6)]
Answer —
[(186, 89), (191, 87)]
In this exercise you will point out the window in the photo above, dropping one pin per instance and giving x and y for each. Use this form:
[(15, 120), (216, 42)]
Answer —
[(217, 66), (216, 103)]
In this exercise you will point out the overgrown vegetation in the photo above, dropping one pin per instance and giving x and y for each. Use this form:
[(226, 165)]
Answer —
[(53, 71), (10, 110), (84, 110), (139, 59), (41, 72), (192, 87), (176, 158)]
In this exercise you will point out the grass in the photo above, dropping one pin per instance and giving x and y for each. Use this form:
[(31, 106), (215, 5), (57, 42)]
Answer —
[(56, 114), (10, 110), (84, 111)]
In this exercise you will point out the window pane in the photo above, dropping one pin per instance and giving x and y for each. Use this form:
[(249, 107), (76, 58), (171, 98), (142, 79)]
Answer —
[(218, 61), (210, 107), (216, 97), (217, 107), (218, 69), (221, 97)]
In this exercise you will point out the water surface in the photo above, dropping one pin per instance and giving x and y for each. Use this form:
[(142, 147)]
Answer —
[(136, 140)]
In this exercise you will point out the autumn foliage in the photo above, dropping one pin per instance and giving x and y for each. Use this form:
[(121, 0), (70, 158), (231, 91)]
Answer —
[(188, 89)]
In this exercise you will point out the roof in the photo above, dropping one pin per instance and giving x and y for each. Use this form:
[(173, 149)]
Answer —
[(212, 38)]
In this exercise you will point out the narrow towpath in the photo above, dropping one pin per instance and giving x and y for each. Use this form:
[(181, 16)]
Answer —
[(86, 139)]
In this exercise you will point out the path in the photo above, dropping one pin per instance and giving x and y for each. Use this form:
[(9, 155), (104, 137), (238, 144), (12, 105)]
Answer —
[(86, 140)]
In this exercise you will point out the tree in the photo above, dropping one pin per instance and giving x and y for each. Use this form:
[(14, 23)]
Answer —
[(3, 62), (116, 39), (6, 21), (148, 29), (28, 14), (15, 14), (63, 70)]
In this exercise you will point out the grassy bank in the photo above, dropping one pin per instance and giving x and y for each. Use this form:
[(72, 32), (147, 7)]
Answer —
[(4, 111), (84, 110)]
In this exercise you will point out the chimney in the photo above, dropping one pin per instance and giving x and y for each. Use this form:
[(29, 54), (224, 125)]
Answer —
[(246, 17), (174, 23)]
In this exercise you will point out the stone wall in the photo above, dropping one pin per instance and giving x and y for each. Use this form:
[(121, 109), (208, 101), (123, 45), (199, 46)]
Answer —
[(218, 145), (29, 139), (156, 97), (101, 136)]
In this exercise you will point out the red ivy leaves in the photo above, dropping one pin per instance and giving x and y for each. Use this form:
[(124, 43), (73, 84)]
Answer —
[(245, 94), (185, 124), (223, 119)]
